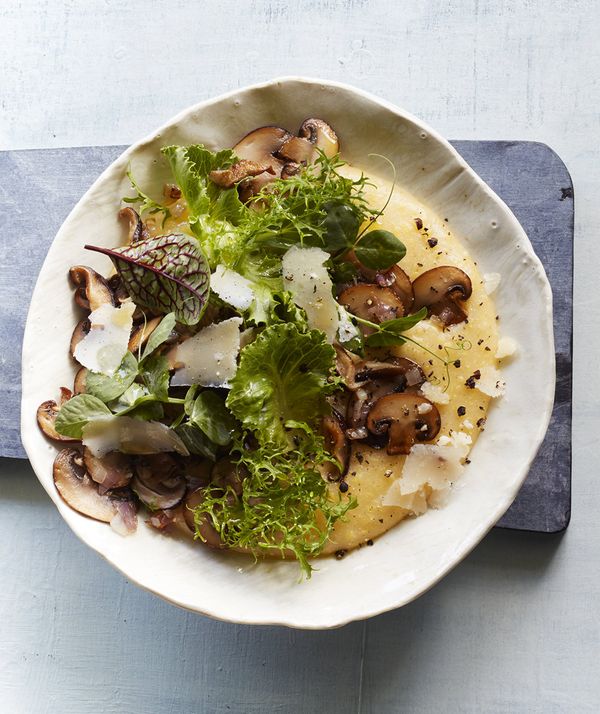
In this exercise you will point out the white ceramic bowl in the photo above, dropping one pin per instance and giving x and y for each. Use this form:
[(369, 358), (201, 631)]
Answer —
[(416, 554)]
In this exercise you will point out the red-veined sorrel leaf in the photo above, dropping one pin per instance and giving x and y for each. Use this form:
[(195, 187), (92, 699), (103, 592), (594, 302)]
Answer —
[(165, 274)]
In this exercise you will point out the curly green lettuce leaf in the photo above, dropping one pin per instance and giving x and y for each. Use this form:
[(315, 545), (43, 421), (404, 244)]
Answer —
[(165, 274), (284, 375), (214, 212)]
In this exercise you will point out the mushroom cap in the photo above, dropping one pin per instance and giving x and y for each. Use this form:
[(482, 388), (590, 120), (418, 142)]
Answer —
[(79, 381), (260, 146), (92, 290), (227, 178), (80, 492), (113, 470), (141, 333), (297, 150), (440, 289), (137, 229), (375, 380), (336, 442), (158, 481), (321, 135), (80, 331), (371, 302), (47, 413), (406, 418), (227, 474), (394, 278)]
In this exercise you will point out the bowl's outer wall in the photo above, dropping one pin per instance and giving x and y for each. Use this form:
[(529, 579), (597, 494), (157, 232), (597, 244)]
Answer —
[(410, 558)]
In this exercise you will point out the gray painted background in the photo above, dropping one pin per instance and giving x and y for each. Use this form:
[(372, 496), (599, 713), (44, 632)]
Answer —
[(516, 627)]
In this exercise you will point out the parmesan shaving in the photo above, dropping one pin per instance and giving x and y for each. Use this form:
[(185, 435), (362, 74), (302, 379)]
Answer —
[(490, 382), (232, 288), (307, 279), (210, 357), (103, 348), (506, 347), (434, 393), (131, 436)]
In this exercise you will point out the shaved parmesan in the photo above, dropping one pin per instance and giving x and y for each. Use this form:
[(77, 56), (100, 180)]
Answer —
[(104, 346), (431, 464), (491, 382), (232, 288), (307, 279), (506, 347), (131, 436), (491, 281), (347, 330), (414, 502), (208, 358), (434, 393)]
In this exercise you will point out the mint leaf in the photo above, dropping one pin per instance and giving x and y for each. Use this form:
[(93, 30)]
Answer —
[(380, 250), (283, 375), (76, 413), (210, 414), (159, 335), (166, 274), (109, 388)]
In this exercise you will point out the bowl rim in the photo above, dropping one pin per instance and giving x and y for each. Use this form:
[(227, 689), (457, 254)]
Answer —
[(476, 534)]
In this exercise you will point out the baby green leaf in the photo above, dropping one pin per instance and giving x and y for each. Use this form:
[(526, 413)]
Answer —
[(166, 274), (155, 375), (196, 441), (160, 334), (390, 332), (210, 414), (109, 388), (380, 250), (76, 413), (341, 226)]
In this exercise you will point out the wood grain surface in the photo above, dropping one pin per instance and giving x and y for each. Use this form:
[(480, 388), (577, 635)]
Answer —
[(516, 627)]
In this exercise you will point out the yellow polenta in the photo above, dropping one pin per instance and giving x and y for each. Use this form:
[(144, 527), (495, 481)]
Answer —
[(467, 348)]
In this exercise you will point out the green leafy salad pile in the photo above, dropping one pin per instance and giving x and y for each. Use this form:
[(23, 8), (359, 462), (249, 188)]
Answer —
[(269, 420)]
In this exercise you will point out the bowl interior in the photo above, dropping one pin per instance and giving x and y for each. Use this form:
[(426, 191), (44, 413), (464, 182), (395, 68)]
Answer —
[(413, 556)]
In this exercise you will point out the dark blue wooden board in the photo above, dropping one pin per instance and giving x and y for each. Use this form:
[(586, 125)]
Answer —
[(38, 188)]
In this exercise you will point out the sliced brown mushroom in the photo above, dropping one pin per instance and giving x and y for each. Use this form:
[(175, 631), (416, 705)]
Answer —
[(394, 278), (92, 290), (227, 178), (202, 527), (80, 492), (80, 331), (440, 290), (405, 418), (290, 169), (375, 380), (297, 150), (158, 481), (261, 145), (137, 229), (320, 135), (338, 446), (371, 302), (120, 294), (113, 470), (79, 381), (196, 471), (346, 364), (141, 333), (47, 413)]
